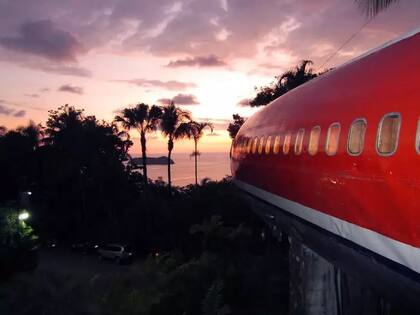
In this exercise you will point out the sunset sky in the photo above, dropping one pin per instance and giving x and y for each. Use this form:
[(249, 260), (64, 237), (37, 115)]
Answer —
[(207, 55)]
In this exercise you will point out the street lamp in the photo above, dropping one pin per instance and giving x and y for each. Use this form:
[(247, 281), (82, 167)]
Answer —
[(23, 216)]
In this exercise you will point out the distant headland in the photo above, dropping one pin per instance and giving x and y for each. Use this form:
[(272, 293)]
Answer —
[(161, 160)]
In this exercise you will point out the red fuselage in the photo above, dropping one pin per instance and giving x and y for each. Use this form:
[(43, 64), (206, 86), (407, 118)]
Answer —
[(371, 197)]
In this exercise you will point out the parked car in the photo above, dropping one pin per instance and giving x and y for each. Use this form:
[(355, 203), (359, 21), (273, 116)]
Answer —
[(119, 253)]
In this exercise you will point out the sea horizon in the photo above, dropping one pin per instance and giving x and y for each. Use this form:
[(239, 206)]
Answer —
[(213, 165)]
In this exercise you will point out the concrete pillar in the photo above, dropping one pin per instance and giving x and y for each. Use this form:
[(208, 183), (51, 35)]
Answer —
[(312, 283), (318, 288)]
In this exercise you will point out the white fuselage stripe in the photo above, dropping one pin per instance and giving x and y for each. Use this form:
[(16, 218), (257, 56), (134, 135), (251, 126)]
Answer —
[(394, 250)]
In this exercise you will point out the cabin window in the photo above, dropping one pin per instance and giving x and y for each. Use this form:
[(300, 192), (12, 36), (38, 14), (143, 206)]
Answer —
[(333, 138), (388, 133), (254, 145), (299, 141), (261, 145), (276, 146), (249, 145), (356, 139), (268, 145), (314, 140), (418, 137), (286, 143)]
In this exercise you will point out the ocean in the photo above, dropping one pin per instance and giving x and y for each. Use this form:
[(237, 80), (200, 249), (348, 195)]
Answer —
[(211, 165)]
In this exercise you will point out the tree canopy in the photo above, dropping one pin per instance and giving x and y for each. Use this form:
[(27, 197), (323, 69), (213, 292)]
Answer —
[(284, 83)]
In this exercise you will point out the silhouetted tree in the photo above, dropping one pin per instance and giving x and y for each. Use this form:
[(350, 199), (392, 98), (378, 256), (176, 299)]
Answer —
[(373, 7), (33, 133), (17, 160), (81, 177), (174, 125), (284, 83), (234, 126), (144, 119), (196, 132)]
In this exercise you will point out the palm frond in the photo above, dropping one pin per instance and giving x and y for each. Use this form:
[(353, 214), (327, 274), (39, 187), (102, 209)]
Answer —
[(373, 7)]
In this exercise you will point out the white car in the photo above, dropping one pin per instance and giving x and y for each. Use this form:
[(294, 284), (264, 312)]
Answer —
[(119, 253)]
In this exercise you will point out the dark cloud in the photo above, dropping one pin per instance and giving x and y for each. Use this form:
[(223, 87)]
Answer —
[(244, 102), (180, 99), (278, 32), (44, 39), (198, 61), (20, 113), (7, 111), (169, 85), (4, 110), (45, 90), (71, 89)]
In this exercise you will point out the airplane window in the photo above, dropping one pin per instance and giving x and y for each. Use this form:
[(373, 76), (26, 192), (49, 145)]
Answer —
[(388, 132), (254, 145), (418, 137), (249, 145), (261, 145), (299, 141), (268, 145), (286, 144), (333, 137), (314, 140), (276, 146), (356, 139)]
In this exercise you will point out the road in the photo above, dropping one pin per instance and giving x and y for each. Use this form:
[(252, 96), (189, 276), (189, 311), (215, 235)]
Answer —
[(76, 264)]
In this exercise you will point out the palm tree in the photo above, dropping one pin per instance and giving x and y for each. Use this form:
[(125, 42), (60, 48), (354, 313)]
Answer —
[(144, 119), (196, 132), (373, 7), (284, 83), (33, 133), (174, 125)]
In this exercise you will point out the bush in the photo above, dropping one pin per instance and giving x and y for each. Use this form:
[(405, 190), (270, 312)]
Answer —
[(18, 243)]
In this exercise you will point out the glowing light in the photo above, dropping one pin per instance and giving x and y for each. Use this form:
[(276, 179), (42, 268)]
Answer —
[(23, 216)]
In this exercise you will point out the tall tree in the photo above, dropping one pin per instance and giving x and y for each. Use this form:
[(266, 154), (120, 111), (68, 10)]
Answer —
[(144, 119), (284, 83), (234, 126), (33, 133), (373, 7), (174, 124), (196, 132), (81, 163)]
